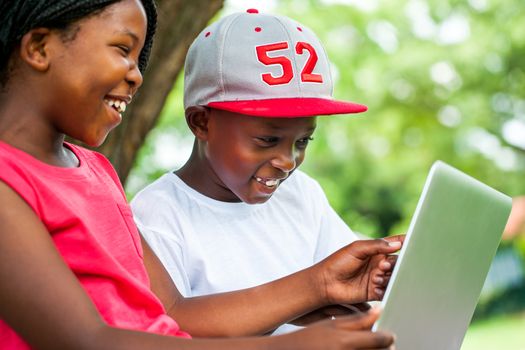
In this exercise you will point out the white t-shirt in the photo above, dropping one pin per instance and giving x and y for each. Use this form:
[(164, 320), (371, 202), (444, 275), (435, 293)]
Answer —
[(209, 246)]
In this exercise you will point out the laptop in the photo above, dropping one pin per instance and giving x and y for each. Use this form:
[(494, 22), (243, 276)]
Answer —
[(441, 268)]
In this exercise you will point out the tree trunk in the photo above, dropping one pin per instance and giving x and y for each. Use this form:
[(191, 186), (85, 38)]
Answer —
[(179, 23)]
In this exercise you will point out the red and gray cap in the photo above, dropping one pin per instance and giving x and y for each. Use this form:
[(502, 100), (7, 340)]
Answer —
[(261, 65)]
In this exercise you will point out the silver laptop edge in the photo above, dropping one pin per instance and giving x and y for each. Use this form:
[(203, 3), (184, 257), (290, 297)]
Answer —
[(421, 324)]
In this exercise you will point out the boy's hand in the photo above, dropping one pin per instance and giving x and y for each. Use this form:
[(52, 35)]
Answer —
[(360, 271)]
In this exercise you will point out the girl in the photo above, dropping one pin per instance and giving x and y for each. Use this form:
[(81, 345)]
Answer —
[(74, 272)]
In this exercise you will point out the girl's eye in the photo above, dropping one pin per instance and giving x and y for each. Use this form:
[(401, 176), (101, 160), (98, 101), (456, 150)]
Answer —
[(124, 49), (302, 143)]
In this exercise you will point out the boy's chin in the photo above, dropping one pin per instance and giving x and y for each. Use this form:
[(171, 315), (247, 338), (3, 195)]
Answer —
[(257, 200)]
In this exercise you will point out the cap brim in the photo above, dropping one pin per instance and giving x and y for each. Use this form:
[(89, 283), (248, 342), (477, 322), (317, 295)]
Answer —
[(289, 107)]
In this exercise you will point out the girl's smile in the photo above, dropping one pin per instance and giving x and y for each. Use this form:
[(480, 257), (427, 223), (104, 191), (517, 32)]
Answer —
[(118, 103), (116, 106)]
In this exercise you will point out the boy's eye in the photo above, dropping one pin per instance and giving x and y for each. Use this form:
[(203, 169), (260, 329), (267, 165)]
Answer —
[(266, 141), (302, 143)]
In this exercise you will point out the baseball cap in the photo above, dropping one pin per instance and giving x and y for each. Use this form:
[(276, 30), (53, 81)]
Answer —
[(261, 65)]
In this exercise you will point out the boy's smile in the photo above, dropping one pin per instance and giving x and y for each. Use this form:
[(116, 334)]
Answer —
[(245, 158), (269, 182), (267, 186)]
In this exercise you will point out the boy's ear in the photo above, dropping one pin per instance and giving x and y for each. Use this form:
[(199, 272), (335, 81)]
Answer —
[(197, 118), (34, 48)]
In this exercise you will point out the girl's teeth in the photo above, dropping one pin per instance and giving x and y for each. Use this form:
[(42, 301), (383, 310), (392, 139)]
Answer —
[(120, 106)]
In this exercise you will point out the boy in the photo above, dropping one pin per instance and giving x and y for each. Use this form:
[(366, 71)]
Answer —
[(238, 214)]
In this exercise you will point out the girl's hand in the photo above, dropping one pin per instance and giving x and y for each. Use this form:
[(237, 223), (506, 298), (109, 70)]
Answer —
[(516, 224), (346, 332), (329, 312), (358, 272)]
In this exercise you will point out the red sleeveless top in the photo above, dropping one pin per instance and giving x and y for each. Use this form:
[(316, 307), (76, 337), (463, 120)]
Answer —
[(87, 215)]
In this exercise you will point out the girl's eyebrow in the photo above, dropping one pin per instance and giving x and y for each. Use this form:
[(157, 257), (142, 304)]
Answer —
[(128, 32)]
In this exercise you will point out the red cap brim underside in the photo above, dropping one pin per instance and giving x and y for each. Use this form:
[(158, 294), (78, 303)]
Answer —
[(289, 107)]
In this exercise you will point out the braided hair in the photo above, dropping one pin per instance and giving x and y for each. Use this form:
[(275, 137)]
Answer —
[(17, 17)]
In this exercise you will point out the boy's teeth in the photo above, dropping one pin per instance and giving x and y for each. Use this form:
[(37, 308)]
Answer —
[(268, 183)]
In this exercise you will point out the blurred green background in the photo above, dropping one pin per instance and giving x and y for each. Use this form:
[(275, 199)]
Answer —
[(443, 79)]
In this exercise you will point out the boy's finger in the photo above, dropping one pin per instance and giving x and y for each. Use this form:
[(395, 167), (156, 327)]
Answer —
[(392, 259), (380, 280), (387, 280), (396, 238), (379, 293), (366, 248), (387, 264)]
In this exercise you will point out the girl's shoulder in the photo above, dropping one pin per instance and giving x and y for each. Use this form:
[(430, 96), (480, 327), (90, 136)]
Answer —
[(96, 161), (85, 154)]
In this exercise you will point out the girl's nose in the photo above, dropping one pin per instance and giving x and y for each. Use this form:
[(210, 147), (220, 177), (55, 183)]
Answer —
[(134, 77)]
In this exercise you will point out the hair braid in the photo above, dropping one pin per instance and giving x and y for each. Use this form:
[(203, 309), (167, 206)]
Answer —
[(151, 15)]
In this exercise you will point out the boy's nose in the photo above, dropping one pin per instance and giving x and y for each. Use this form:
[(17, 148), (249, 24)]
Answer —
[(285, 161)]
